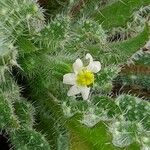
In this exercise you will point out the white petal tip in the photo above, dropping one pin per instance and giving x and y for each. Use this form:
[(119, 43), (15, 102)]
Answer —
[(73, 91), (85, 98), (85, 93), (97, 66), (88, 55), (77, 65), (69, 78)]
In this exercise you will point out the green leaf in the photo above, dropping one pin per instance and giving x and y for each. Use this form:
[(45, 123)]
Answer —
[(118, 13), (120, 52)]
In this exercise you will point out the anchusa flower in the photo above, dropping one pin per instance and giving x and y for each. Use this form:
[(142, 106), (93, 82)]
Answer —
[(83, 77)]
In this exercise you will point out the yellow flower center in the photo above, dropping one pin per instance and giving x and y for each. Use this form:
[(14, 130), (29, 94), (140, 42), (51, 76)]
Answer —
[(85, 78)]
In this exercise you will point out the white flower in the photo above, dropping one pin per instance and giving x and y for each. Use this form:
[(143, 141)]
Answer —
[(82, 77)]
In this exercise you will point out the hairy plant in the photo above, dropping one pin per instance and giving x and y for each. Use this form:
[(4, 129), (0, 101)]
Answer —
[(34, 57)]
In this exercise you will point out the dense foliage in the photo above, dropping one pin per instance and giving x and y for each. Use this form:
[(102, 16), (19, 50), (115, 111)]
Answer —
[(38, 47)]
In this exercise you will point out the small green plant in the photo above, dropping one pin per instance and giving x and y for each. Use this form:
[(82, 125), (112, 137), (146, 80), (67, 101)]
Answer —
[(35, 56)]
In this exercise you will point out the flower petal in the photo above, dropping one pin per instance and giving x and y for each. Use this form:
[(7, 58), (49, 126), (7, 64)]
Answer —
[(74, 90), (69, 78), (85, 91), (88, 56), (95, 66), (77, 65)]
